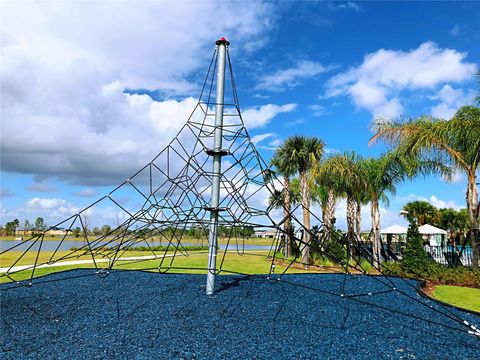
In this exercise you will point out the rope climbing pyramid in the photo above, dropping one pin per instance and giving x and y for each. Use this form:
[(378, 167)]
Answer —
[(211, 176), (175, 190)]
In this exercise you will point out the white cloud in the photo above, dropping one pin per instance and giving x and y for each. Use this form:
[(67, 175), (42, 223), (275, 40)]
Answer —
[(331, 151), (80, 149), (260, 96), (55, 210), (295, 122), (291, 77), (65, 67), (257, 117), (318, 110), (375, 85), (433, 199), (441, 204), (349, 5), (457, 177), (455, 31), (45, 203), (258, 138), (450, 100), (387, 217)]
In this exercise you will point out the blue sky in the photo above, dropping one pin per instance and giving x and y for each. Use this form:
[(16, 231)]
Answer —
[(76, 119)]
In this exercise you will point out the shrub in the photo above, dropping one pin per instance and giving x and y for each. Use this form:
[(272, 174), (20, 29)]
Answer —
[(335, 251), (415, 259), (457, 275), (320, 260), (365, 265)]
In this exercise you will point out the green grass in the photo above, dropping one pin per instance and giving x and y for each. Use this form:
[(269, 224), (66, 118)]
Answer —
[(8, 259), (467, 298), (27, 274), (195, 263)]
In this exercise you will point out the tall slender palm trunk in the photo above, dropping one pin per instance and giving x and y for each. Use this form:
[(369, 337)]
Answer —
[(350, 224), (350, 217), (375, 213), (358, 218), (325, 213), (473, 213), (329, 214), (288, 222), (305, 191)]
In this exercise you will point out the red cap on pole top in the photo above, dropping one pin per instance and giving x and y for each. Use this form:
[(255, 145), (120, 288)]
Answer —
[(222, 40)]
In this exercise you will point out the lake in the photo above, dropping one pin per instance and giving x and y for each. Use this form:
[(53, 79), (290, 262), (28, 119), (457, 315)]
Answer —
[(51, 245)]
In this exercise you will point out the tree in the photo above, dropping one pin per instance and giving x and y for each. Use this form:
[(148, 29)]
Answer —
[(326, 192), (16, 224), (282, 199), (301, 153), (106, 229), (455, 142), (278, 201), (422, 211), (77, 232), (455, 222), (11, 227), (26, 225), (381, 175), (415, 259), (347, 181), (39, 225)]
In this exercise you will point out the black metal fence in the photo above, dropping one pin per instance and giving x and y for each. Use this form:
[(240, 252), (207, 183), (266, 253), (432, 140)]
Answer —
[(449, 255), (445, 255)]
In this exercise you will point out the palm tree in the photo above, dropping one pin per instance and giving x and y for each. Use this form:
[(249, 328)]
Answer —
[(382, 174), (277, 200), (455, 222), (320, 196), (283, 199), (341, 173), (456, 143), (360, 197), (302, 153), (422, 211), (326, 192)]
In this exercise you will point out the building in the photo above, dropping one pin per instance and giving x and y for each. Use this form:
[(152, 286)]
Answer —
[(432, 235), (265, 234), (394, 233), (51, 232)]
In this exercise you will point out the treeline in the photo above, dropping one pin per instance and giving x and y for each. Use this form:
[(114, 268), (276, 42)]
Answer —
[(455, 222), (169, 232), (11, 227), (417, 147)]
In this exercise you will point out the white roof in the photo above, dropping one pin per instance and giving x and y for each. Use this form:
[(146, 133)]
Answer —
[(429, 229), (394, 229)]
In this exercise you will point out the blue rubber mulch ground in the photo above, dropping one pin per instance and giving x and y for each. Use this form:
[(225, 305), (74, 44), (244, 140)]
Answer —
[(141, 315)]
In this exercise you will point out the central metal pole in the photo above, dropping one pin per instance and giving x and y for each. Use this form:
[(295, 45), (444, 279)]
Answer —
[(217, 166)]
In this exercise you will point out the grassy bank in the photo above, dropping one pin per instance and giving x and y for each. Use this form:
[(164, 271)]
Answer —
[(464, 297), (195, 263), (29, 258)]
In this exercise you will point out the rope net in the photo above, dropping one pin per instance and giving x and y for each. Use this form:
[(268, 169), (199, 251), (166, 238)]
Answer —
[(173, 193)]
